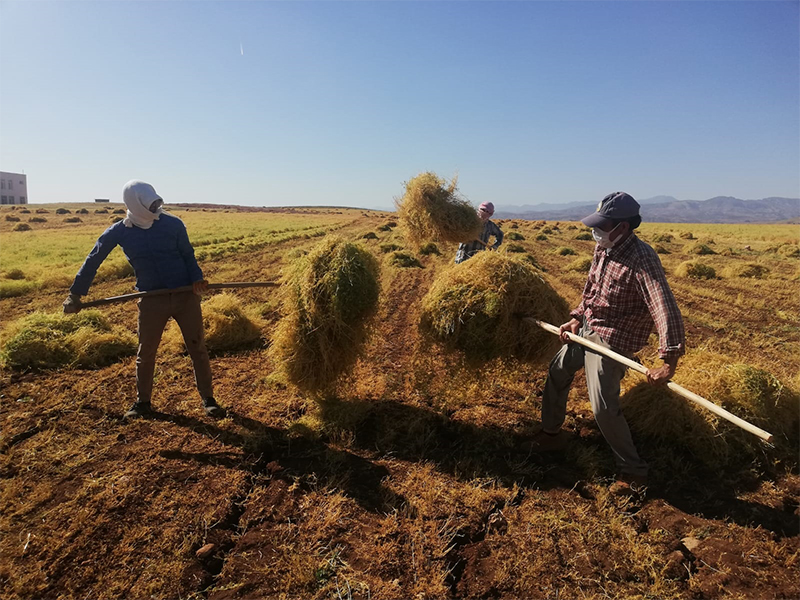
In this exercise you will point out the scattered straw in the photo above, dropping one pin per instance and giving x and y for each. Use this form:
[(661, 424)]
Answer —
[(48, 341), (474, 307), (328, 297), (432, 210)]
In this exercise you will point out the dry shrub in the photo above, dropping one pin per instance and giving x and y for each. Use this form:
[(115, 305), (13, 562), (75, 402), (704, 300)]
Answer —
[(701, 249), (227, 325), (747, 270), (581, 265), (328, 297), (432, 210), (475, 306), (22, 227), (48, 341), (695, 270), (667, 420)]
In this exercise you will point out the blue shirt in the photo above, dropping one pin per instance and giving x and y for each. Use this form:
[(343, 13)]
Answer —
[(161, 256), (469, 249)]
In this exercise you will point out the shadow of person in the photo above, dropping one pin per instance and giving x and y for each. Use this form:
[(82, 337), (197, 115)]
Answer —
[(268, 450)]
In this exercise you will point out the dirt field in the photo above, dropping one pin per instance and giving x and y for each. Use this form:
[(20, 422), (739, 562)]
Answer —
[(415, 480)]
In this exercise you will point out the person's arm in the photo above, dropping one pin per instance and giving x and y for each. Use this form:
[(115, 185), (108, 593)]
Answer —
[(498, 234), (657, 295), (186, 251), (102, 248)]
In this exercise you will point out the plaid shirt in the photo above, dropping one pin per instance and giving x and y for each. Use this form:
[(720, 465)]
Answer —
[(626, 293), (471, 248)]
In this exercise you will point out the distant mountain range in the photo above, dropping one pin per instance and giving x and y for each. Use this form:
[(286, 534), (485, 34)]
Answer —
[(666, 209)]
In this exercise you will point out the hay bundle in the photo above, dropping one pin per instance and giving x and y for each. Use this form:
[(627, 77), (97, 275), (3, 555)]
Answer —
[(674, 423), (699, 248), (747, 271), (473, 307), (328, 297), (50, 341), (581, 265), (432, 210), (695, 270), (228, 325)]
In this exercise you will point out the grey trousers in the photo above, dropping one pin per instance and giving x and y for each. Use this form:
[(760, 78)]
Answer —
[(154, 312), (603, 376)]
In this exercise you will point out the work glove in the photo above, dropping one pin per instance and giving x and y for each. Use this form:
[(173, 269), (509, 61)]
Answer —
[(72, 304)]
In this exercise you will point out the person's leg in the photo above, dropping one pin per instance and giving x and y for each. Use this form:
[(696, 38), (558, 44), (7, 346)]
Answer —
[(560, 375), (603, 376), (154, 313), (189, 316)]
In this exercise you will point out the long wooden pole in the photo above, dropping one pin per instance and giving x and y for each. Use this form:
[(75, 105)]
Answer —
[(186, 288), (682, 391)]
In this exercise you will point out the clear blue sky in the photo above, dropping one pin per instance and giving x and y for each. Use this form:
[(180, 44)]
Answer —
[(341, 102)]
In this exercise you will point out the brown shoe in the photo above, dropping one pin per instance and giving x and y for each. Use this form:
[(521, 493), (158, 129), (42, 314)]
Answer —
[(628, 486), (549, 442)]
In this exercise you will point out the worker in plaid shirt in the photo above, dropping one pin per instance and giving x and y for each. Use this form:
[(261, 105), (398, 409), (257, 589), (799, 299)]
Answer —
[(625, 295), (469, 249)]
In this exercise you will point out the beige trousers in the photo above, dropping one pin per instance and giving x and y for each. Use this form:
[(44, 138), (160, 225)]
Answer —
[(154, 313)]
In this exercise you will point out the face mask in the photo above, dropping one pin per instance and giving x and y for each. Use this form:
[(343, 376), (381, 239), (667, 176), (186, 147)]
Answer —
[(603, 238), (155, 206)]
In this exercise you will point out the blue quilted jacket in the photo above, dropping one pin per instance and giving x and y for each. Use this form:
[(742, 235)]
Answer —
[(161, 256)]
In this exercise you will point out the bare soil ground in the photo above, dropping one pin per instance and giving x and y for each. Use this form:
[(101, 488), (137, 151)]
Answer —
[(414, 481)]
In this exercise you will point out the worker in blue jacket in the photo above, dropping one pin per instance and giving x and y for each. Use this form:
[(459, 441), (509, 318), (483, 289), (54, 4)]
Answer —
[(157, 246)]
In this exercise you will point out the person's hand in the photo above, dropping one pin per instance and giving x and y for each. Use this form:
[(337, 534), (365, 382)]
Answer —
[(200, 287), (573, 326), (663, 374), (72, 304)]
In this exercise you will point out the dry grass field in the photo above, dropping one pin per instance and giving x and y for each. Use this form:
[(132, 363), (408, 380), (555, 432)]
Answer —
[(413, 479)]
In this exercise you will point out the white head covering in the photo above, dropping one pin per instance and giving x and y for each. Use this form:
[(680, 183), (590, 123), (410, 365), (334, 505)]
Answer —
[(138, 196)]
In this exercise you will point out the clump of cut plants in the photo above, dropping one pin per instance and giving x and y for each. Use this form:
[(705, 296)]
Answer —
[(701, 249), (370, 235), (584, 236), (687, 235), (386, 248), (328, 298), (429, 248), (747, 271), (663, 237), (541, 238), (37, 219), (405, 260), (51, 340), (63, 211), (15, 274), (790, 250), (228, 325), (475, 307), (564, 251), (82, 211), (22, 227), (432, 210), (515, 248), (73, 220), (516, 237), (661, 249), (671, 423), (695, 270), (581, 265), (12, 219)]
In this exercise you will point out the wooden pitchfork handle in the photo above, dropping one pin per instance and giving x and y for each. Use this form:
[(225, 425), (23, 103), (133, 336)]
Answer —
[(185, 288), (717, 410)]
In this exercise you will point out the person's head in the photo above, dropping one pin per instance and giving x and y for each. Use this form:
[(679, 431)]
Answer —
[(485, 211), (616, 217), (143, 204)]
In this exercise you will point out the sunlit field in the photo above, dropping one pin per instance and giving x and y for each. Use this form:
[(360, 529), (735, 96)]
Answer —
[(413, 479)]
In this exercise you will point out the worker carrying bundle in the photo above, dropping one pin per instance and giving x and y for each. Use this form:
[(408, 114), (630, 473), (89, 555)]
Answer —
[(625, 294), (157, 246), (490, 229)]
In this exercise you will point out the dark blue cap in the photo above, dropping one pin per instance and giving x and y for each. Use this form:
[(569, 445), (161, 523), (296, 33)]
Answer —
[(614, 207)]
